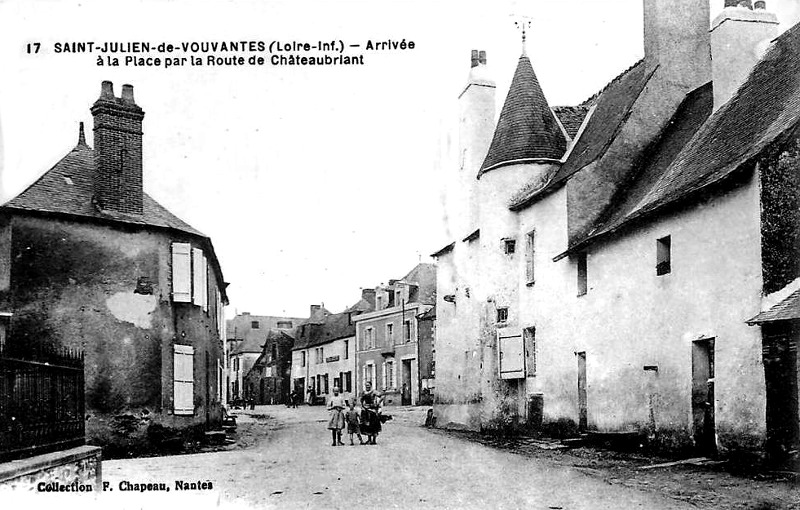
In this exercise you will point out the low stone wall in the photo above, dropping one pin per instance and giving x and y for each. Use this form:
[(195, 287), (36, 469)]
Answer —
[(75, 470)]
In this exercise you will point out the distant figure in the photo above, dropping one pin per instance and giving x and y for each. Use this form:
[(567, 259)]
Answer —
[(311, 395), (353, 423), (336, 405)]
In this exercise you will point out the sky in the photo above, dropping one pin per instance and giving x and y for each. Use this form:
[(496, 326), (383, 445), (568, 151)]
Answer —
[(312, 182)]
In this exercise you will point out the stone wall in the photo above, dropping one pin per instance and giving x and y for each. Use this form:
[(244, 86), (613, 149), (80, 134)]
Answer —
[(75, 470)]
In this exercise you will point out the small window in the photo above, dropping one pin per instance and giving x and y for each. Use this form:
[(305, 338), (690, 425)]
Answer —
[(255, 325), (390, 334), (502, 314), (510, 246), (530, 251), (663, 256), (284, 324), (302, 358), (582, 275), (407, 331), (274, 352), (347, 349)]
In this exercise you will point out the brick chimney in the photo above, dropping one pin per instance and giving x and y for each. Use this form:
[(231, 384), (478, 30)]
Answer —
[(676, 39), (740, 35), (368, 295), (117, 151)]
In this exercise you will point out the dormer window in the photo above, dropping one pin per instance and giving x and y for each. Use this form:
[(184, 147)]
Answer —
[(510, 246)]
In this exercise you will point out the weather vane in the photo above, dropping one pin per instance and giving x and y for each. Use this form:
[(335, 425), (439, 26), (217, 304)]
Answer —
[(523, 23)]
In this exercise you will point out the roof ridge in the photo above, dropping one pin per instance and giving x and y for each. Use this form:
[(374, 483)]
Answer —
[(614, 80)]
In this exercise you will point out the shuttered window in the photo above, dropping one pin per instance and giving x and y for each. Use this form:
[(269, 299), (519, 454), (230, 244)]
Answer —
[(181, 273), (512, 357), (183, 378)]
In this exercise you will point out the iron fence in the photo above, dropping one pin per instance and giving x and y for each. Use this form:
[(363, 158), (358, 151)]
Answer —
[(41, 400)]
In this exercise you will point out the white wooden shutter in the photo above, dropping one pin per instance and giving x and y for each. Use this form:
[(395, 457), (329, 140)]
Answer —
[(181, 273), (512, 357), (183, 377), (204, 272), (385, 378), (197, 276)]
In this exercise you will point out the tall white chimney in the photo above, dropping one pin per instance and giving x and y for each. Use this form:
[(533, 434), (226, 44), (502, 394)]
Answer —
[(476, 124), (676, 40), (739, 37)]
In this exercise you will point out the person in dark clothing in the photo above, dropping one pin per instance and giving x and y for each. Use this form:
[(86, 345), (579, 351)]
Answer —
[(370, 418)]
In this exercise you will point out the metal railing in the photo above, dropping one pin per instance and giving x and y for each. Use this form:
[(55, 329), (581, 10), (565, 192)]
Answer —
[(41, 400)]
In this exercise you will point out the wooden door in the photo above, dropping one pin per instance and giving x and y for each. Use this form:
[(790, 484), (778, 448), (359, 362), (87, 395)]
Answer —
[(582, 400), (703, 396)]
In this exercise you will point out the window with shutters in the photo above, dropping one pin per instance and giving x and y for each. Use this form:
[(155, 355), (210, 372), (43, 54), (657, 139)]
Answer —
[(183, 379), (530, 251), (390, 382), (181, 272), (199, 278), (407, 331)]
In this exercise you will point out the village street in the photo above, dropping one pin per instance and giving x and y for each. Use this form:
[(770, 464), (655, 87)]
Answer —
[(294, 466)]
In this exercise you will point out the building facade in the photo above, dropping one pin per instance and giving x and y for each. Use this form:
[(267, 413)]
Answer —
[(89, 261), (324, 355), (388, 337), (606, 262), (268, 381), (246, 337)]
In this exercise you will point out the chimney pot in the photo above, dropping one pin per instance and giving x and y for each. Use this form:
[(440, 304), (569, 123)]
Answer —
[(761, 4), (107, 90), (127, 94), (81, 135), (482, 57), (475, 58)]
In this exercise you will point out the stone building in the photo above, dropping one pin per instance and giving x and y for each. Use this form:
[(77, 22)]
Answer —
[(246, 336), (269, 379), (388, 337), (602, 278), (90, 261)]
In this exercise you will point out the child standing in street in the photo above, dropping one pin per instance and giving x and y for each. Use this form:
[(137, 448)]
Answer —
[(336, 406), (352, 418)]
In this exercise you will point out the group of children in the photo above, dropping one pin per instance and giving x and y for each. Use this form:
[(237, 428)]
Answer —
[(367, 421)]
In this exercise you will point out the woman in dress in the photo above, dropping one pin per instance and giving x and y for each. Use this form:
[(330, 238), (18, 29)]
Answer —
[(370, 419), (336, 406)]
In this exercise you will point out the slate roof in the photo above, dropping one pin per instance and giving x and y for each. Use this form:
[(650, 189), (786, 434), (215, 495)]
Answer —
[(611, 108), (527, 129), (252, 344), (787, 309), (765, 106), (424, 276), (332, 327), (571, 117), (68, 188), (362, 306), (52, 193)]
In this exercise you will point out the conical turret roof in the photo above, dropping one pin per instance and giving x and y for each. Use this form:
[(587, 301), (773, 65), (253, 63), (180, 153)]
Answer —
[(527, 129)]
